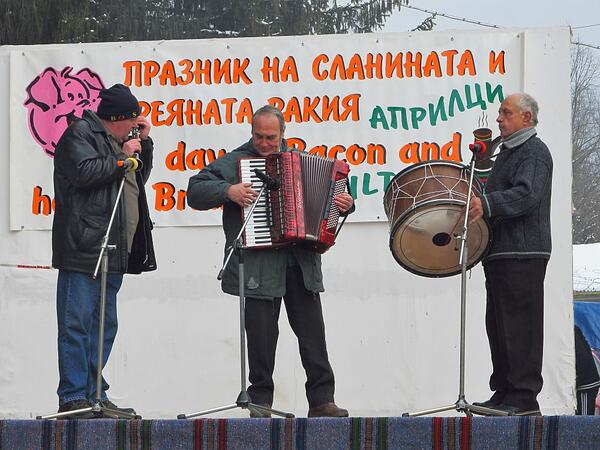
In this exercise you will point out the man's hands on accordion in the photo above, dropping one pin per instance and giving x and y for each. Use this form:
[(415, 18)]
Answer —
[(242, 194), (343, 201)]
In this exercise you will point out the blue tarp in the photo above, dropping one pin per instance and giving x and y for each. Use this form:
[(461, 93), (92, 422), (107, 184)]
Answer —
[(587, 318)]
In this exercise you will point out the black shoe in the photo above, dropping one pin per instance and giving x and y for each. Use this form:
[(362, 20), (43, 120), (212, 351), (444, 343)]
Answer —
[(258, 414), (496, 399), (327, 410), (519, 411), (493, 403), (487, 404), (75, 405), (111, 406)]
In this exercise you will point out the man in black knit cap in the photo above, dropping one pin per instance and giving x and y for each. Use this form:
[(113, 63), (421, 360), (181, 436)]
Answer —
[(92, 157)]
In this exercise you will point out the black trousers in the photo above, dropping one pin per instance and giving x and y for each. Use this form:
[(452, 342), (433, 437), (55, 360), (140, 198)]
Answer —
[(515, 327), (306, 320)]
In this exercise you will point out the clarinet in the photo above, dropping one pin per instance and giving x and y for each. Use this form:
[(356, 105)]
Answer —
[(134, 134)]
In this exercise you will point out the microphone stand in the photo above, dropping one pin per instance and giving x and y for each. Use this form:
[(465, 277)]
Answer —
[(461, 405), (243, 399), (97, 408)]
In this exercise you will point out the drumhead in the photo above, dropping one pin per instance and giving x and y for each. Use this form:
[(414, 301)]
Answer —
[(424, 241), (392, 184)]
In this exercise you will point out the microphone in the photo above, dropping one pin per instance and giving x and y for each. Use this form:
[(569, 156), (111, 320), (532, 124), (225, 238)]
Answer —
[(479, 149), (130, 164), (271, 183)]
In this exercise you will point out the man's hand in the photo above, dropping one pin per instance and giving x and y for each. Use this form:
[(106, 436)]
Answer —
[(144, 126), (475, 210), (242, 194), (131, 146), (343, 201)]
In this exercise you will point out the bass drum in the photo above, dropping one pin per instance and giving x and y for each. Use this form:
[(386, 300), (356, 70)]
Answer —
[(425, 205)]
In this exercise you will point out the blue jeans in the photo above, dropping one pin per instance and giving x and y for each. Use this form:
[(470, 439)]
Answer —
[(77, 308)]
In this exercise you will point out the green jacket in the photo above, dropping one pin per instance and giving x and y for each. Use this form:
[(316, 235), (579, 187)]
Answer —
[(264, 269)]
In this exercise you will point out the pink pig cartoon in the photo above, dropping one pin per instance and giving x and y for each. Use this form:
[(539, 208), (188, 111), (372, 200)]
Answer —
[(57, 99)]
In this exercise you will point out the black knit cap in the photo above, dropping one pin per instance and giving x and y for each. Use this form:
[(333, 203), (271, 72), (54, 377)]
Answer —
[(117, 103)]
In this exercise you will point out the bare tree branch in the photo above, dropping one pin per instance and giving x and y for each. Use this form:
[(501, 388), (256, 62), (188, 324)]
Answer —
[(585, 125)]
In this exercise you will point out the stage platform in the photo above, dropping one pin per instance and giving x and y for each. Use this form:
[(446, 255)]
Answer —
[(368, 433)]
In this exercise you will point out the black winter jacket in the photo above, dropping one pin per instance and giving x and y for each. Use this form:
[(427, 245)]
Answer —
[(86, 182)]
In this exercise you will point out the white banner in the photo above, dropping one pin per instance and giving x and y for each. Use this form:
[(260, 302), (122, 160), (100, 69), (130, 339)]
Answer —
[(379, 317), (381, 102)]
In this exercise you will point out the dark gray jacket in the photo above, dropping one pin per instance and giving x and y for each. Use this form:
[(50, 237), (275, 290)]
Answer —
[(86, 182), (264, 269), (517, 202)]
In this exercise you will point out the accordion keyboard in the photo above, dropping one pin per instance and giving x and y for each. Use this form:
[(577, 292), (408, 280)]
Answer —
[(258, 229)]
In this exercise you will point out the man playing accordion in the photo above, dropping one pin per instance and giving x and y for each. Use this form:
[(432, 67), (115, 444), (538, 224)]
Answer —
[(292, 273)]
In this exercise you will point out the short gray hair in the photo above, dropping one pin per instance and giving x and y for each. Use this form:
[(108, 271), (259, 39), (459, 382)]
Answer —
[(268, 109), (527, 103)]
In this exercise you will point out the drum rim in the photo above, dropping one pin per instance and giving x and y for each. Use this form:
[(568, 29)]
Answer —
[(450, 274), (435, 162)]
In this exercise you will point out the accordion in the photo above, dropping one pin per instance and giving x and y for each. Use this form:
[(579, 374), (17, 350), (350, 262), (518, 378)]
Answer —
[(302, 210)]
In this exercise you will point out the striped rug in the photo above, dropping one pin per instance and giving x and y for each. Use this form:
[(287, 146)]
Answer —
[(365, 433)]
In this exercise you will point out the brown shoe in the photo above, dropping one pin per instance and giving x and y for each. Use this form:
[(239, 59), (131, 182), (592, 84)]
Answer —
[(258, 414), (327, 410)]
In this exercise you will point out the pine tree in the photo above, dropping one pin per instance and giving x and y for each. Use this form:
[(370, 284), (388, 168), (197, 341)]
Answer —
[(66, 21)]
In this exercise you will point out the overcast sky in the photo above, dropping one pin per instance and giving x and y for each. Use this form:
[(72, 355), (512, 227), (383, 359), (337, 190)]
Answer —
[(506, 13)]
